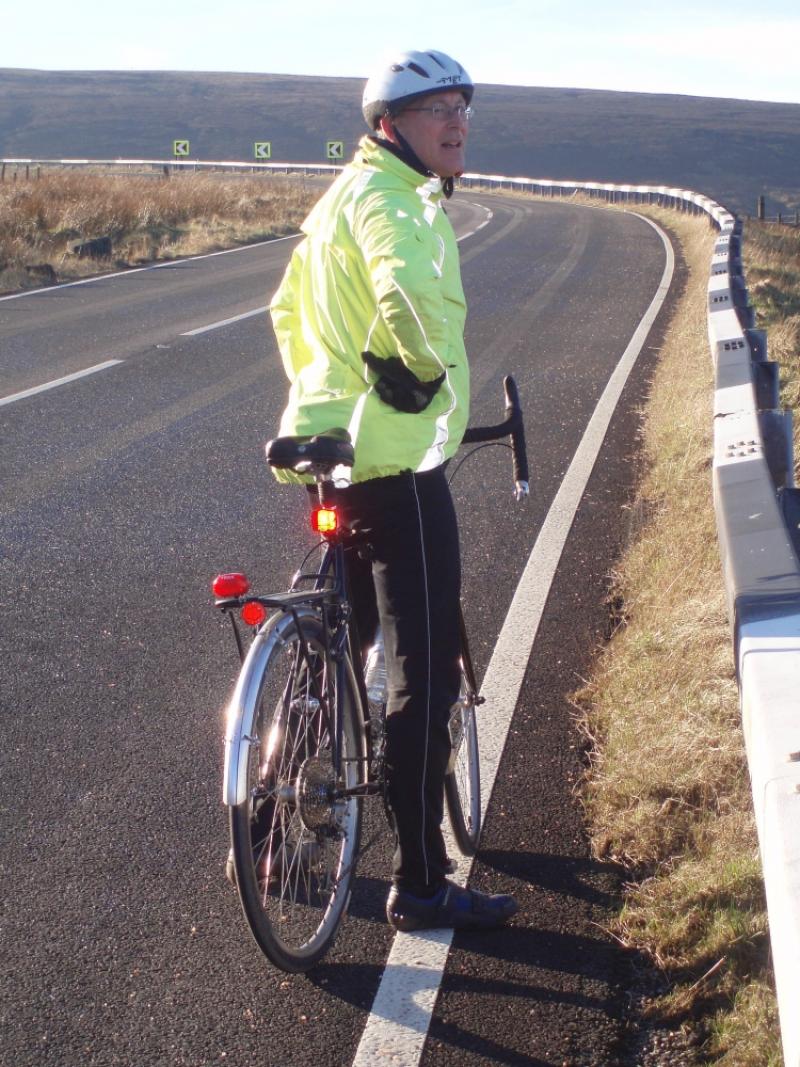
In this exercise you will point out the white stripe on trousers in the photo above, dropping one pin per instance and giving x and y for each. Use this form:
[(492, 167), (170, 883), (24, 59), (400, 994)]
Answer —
[(428, 704)]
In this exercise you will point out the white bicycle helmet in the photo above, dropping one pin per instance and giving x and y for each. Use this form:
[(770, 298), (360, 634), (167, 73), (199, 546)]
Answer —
[(412, 75)]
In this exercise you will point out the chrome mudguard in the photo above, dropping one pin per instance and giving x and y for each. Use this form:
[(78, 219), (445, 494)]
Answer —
[(241, 712)]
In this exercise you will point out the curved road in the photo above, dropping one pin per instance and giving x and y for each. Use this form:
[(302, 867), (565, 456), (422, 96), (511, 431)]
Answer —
[(124, 491)]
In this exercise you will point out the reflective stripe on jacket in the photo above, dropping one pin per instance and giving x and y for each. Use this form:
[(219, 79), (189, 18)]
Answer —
[(378, 270)]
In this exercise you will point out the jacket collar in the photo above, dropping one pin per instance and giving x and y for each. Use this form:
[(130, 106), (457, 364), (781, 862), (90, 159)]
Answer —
[(375, 151), (403, 151)]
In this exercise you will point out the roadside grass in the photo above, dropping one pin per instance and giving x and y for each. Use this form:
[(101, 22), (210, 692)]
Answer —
[(772, 270), (146, 217), (667, 791)]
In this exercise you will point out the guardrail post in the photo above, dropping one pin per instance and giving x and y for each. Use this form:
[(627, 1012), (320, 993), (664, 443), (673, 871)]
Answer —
[(789, 499), (757, 340), (776, 433), (739, 290), (746, 315), (766, 380)]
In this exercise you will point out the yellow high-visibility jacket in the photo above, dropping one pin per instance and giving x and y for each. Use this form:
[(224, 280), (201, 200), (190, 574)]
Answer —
[(378, 270)]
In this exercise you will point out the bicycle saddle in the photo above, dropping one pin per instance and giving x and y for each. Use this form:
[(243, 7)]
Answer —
[(322, 452)]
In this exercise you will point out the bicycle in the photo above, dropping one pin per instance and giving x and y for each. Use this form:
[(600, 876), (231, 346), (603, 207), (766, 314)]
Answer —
[(304, 734)]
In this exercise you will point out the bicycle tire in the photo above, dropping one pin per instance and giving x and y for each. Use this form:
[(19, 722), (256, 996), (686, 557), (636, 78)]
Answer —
[(294, 848), (462, 784)]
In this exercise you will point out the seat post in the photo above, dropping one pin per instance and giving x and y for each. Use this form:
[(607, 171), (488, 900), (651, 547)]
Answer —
[(326, 489)]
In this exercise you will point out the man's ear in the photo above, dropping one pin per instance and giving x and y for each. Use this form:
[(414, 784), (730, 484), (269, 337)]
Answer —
[(386, 129)]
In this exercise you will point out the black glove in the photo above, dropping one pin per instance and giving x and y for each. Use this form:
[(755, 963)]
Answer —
[(398, 387)]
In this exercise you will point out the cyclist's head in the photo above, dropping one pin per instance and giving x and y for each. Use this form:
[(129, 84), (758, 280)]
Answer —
[(411, 76), (420, 102)]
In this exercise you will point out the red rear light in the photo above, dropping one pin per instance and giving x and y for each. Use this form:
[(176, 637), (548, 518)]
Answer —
[(229, 585), (253, 613), (324, 520)]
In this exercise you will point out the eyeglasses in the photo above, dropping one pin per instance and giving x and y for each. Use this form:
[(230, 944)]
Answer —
[(443, 113)]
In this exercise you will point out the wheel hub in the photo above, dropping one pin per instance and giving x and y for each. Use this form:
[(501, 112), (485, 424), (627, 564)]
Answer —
[(314, 793)]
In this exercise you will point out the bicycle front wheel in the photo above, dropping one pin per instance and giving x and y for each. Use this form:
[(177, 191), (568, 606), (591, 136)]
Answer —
[(462, 784), (296, 837)]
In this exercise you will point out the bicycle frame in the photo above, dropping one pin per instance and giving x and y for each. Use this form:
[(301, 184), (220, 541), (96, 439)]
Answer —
[(330, 590)]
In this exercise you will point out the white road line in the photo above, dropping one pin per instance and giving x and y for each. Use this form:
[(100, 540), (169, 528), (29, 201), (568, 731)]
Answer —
[(58, 381), (153, 266), (398, 1023), (225, 322), (485, 222)]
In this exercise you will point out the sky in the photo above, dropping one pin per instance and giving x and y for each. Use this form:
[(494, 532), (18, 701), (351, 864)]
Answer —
[(726, 48)]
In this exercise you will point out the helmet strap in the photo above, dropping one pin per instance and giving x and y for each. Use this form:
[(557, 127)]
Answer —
[(400, 147), (403, 150)]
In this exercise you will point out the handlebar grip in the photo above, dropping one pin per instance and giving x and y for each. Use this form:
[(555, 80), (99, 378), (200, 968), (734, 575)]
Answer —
[(519, 454)]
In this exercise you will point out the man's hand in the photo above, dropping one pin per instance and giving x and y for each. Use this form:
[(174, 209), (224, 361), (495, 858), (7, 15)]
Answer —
[(398, 387)]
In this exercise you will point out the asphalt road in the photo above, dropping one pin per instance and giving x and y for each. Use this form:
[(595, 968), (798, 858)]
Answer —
[(123, 492)]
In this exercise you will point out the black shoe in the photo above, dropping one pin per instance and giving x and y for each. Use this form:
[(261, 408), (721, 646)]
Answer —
[(452, 907)]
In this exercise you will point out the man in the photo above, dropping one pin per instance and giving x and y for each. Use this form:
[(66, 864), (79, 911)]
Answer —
[(369, 319)]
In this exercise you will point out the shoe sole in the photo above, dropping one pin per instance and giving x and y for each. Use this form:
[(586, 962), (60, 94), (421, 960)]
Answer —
[(408, 923)]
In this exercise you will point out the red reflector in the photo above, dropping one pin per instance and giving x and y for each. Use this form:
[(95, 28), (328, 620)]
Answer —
[(324, 520), (254, 613), (229, 585)]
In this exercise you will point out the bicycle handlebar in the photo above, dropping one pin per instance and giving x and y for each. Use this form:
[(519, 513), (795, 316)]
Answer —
[(512, 426)]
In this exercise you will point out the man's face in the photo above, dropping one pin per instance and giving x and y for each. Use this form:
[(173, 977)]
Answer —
[(439, 142)]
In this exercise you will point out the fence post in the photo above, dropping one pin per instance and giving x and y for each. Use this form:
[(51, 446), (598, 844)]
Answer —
[(761, 208)]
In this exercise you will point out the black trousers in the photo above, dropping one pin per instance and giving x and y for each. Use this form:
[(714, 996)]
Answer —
[(410, 582)]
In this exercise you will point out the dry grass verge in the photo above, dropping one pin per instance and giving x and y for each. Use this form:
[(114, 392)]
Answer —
[(667, 793), (146, 218), (772, 269)]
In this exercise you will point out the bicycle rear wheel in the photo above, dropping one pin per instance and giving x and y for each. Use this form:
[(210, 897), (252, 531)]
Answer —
[(295, 839), (462, 784)]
